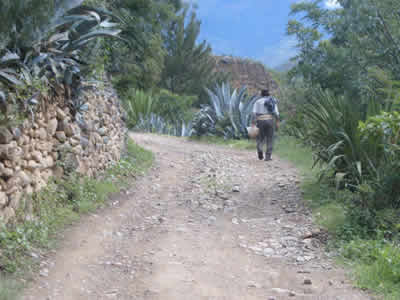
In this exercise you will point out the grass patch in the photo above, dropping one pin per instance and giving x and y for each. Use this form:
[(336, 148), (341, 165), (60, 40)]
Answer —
[(9, 288), (292, 150), (61, 203), (376, 264)]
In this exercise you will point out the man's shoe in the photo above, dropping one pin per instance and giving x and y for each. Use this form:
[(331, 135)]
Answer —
[(267, 157), (260, 155)]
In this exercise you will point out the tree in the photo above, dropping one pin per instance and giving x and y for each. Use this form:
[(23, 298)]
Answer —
[(189, 66), (138, 62), (339, 48)]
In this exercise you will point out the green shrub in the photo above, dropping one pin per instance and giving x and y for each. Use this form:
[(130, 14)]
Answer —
[(164, 113), (329, 124), (377, 265)]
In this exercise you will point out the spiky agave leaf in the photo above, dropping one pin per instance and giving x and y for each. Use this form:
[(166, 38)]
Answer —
[(231, 110)]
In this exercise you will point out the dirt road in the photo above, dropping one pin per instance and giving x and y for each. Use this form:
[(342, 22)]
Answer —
[(207, 222)]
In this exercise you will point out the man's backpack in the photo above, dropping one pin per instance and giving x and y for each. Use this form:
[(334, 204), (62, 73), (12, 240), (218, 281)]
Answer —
[(269, 104)]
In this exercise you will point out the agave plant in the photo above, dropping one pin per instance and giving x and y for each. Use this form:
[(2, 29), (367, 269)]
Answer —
[(228, 115), (156, 124), (50, 52)]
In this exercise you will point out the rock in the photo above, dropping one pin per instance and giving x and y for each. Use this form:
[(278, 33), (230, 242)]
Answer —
[(307, 281), (77, 150), (268, 252), (71, 130), (300, 259), (60, 135), (32, 165), (11, 190), (42, 133), (48, 162), (13, 182), (3, 199), (25, 178), (61, 115), (37, 156), (6, 149), (254, 285), (102, 131), (84, 142), (15, 199), (54, 155), (52, 127), (74, 142), (211, 220), (292, 294), (236, 189), (5, 136), (8, 214), (44, 146), (44, 272), (235, 221), (17, 133), (15, 154), (97, 137), (280, 291), (8, 164)]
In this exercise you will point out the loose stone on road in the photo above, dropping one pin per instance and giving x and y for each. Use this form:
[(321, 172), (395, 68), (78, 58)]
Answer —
[(207, 222)]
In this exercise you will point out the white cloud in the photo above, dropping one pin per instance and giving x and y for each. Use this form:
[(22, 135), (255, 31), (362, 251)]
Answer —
[(280, 53), (332, 4)]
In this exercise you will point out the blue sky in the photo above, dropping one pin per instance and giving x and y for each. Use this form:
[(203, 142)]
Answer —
[(249, 28)]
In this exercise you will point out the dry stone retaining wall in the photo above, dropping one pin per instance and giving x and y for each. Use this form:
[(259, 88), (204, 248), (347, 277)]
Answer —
[(54, 143)]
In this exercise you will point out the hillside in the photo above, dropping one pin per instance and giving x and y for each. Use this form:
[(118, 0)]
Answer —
[(242, 71)]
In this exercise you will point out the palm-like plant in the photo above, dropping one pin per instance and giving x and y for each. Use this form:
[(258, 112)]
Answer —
[(330, 124), (228, 115), (139, 106)]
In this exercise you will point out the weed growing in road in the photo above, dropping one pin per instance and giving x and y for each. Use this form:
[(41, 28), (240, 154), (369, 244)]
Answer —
[(59, 204)]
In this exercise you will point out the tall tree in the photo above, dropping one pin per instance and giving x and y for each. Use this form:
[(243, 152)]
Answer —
[(138, 61), (189, 65), (339, 49)]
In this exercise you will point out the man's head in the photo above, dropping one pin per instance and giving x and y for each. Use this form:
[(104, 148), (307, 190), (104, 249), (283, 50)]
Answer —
[(265, 93)]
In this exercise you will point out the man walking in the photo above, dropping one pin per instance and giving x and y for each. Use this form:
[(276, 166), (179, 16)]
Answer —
[(266, 116)]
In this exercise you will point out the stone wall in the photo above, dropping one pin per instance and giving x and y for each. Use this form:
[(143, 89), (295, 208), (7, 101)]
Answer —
[(53, 143)]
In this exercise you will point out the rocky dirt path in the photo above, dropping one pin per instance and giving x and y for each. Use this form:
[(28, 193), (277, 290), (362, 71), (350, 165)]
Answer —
[(208, 223)]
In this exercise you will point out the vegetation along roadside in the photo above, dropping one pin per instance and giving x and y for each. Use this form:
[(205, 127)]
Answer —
[(61, 203), (373, 258)]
